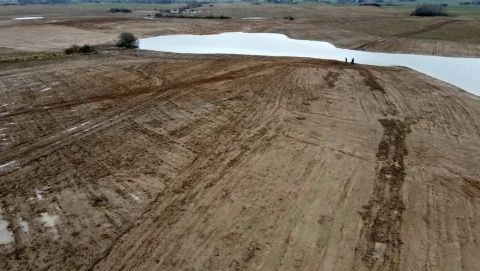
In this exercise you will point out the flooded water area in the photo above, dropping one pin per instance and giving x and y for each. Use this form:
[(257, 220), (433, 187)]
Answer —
[(461, 72)]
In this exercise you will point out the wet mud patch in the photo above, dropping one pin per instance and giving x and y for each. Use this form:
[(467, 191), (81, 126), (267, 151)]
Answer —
[(378, 92), (370, 81), (382, 216), (331, 78)]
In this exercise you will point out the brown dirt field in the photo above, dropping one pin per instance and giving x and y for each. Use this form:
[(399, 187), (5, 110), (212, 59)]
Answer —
[(150, 161), (130, 160), (398, 43), (363, 28), (426, 47)]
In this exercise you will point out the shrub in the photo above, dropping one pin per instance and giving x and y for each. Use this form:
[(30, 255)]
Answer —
[(86, 49), (127, 40), (124, 10), (371, 4), (75, 49), (429, 10)]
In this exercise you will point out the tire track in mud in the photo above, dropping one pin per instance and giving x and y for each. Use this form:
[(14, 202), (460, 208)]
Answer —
[(364, 46), (380, 239), (188, 183), (231, 75), (383, 99), (29, 152)]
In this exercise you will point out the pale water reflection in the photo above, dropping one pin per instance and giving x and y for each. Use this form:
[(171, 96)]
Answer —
[(461, 72), (27, 18)]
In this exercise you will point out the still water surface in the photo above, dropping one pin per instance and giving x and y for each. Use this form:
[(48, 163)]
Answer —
[(461, 72)]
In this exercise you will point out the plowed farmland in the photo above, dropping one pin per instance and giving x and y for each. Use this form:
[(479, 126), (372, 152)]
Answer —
[(151, 161)]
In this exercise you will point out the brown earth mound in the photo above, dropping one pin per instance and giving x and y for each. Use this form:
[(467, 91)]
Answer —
[(147, 161)]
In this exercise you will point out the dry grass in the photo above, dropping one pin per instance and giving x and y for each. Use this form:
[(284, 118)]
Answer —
[(460, 31), (298, 11), (385, 27)]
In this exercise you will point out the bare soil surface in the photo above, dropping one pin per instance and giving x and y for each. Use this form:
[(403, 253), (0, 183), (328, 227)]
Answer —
[(131, 160), (363, 28), (425, 47), (149, 161)]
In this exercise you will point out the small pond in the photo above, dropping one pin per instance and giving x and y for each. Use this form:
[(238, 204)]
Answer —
[(461, 72)]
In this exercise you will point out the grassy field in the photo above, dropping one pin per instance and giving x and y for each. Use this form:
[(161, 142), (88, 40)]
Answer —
[(453, 9), (466, 29), (460, 31), (56, 11), (386, 27), (346, 26), (470, 11), (241, 10)]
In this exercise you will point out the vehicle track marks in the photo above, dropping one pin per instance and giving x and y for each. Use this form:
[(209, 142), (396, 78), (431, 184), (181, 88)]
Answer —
[(380, 244), (364, 46)]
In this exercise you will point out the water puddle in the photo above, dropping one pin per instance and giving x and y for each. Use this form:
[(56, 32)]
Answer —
[(461, 72), (254, 18), (50, 221), (27, 18), (6, 236)]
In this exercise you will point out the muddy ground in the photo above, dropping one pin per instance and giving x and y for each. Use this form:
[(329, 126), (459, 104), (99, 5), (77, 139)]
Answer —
[(131, 160), (151, 161)]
